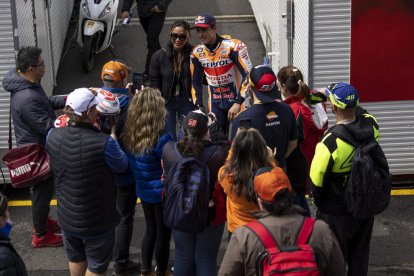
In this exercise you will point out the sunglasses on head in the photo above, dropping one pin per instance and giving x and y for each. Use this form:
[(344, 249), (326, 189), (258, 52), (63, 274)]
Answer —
[(180, 37), (332, 87)]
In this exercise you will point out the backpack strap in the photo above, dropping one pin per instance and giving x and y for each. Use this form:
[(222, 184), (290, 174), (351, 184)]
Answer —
[(264, 236), (305, 231), (177, 152)]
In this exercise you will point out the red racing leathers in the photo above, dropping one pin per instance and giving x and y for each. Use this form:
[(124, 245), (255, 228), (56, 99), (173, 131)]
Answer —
[(225, 67)]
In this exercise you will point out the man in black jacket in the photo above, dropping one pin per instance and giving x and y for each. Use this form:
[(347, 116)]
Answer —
[(33, 116), (151, 16), (84, 162), (10, 262), (114, 76)]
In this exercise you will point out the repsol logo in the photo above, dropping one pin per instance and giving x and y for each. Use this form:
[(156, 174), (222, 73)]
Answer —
[(216, 63)]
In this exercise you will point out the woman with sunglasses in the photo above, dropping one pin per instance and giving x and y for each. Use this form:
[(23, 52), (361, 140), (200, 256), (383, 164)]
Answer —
[(170, 73)]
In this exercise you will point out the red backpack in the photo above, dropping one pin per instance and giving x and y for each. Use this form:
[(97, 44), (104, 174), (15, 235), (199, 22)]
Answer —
[(296, 260)]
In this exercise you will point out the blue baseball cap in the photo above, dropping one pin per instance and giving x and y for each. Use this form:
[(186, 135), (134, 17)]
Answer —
[(204, 20), (343, 95)]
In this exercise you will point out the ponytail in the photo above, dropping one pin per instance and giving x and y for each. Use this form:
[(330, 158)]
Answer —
[(292, 78), (304, 92)]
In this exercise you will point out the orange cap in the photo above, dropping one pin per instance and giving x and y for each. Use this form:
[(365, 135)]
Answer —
[(116, 70), (268, 181)]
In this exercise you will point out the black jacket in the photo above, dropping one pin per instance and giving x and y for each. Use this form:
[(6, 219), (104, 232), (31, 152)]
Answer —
[(145, 6), (85, 185), (162, 73), (10, 262), (32, 111)]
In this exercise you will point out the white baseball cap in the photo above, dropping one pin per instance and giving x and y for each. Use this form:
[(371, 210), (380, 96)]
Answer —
[(81, 99)]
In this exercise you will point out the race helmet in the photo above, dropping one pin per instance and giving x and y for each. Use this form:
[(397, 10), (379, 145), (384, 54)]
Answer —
[(108, 109)]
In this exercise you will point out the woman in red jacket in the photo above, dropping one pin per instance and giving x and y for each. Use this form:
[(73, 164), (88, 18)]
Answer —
[(312, 122)]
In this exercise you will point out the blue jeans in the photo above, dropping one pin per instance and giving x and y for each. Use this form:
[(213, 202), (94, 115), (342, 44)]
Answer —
[(196, 254), (176, 107)]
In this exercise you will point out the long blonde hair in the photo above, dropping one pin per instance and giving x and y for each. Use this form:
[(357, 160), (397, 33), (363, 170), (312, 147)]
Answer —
[(144, 121)]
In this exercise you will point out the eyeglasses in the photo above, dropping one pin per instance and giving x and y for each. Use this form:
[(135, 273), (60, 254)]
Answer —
[(180, 37)]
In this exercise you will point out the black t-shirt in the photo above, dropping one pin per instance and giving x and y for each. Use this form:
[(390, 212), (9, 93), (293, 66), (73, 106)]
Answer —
[(275, 121)]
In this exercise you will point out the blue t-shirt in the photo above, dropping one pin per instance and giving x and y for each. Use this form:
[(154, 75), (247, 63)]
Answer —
[(275, 121)]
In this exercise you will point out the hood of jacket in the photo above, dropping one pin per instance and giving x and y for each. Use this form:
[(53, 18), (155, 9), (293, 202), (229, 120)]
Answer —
[(362, 128), (13, 82)]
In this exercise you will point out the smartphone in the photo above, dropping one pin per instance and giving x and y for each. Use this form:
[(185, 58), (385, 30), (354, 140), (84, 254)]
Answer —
[(245, 123), (137, 81)]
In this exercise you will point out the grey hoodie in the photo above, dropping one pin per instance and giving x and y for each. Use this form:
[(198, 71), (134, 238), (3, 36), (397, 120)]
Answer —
[(31, 110)]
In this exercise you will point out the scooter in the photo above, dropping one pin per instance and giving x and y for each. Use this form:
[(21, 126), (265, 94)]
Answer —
[(97, 20)]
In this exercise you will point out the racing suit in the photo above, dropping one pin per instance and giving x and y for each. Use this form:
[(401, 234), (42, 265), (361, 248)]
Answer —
[(226, 65)]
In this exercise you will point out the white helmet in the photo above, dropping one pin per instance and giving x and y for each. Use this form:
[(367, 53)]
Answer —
[(109, 104)]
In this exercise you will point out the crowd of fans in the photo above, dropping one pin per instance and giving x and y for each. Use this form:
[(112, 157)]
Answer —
[(257, 134)]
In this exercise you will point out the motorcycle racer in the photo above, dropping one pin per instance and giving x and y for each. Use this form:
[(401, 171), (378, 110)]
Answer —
[(225, 63)]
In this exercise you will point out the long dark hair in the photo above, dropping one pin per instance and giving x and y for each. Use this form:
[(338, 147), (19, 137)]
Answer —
[(191, 144), (249, 153), (292, 78)]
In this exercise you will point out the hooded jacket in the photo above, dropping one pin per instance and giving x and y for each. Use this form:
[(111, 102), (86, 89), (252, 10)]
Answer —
[(331, 165), (244, 246), (162, 73), (10, 262), (31, 110)]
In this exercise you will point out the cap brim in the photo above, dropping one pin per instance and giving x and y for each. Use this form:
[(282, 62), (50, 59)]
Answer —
[(270, 96), (201, 26)]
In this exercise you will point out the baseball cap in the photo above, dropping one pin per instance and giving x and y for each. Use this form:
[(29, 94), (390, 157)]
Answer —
[(81, 99), (114, 71), (263, 81), (204, 20), (343, 95), (197, 123), (269, 181)]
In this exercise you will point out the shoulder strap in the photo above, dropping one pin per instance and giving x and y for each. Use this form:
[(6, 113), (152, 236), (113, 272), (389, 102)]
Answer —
[(342, 132), (264, 236), (305, 231), (10, 141), (177, 152)]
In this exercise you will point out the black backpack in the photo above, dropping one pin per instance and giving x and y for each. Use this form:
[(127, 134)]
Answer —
[(368, 189), (187, 193)]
